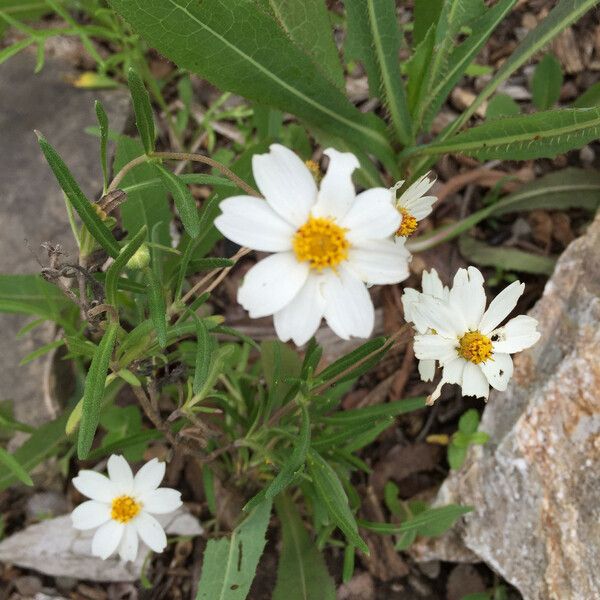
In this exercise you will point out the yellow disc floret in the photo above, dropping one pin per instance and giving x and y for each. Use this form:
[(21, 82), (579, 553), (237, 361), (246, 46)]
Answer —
[(475, 347), (408, 225), (124, 508), (321, 242)]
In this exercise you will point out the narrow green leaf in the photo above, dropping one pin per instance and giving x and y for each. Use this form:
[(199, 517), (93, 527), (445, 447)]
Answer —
[(157, 306), (184, 201), (99, 231), (340, 365), (255, 55), (591, 97), (456, 456), (469, 421), (103, 125), (508, 259), (11, 463), (120, 263), (502, 105), (203, 355), (230, 563), (331, 493), (144, 119), (546, 83), (41, 351), (15, 48), (426, 15), (372, 413), (301, 573), (348, 567), (130, 441), (94, 390)]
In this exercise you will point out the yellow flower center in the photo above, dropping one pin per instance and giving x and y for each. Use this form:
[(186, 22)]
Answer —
[(321, 242), (315, 170), (475, 346), (408, 225), (124, 508)]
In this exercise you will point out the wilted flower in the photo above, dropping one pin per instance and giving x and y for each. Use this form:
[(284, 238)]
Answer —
[(464, 337), (327, 244), (413, 205), (122, 506)]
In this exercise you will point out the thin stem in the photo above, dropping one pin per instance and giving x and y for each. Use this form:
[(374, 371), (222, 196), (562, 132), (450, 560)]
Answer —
[(114, 184)]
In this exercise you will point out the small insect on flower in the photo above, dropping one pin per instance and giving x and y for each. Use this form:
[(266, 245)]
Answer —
[(121, 507), (328, 242), (465, 338), (413, 205)]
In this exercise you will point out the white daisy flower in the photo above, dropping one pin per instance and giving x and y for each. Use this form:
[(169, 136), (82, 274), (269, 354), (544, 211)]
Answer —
[(413, 205), (327, 244), (122, 506), (467, 342), (432, 286)]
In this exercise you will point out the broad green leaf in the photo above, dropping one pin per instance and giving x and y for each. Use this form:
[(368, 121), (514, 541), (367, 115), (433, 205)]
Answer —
[(204, 349), (94, 390), (102, 118), (144, 119), (280, 364), (146, 202), (119, 265), (13, 465), (507, 259), (541, 135), (546, 83), (456, 456), (502, 105), (184, 201), (230, 563), (372, 413), (42, 443), (140, 438), (469, 421), (308, 25), (591, 97), (255, 59), (94, 224), (378, 34), (426, 15), (301, 573), (157, 306), (331, 493)]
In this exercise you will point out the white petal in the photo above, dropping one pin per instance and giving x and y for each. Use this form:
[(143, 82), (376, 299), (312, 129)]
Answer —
[(501, 306), (272, 284), (432, 284), (434, 347), (161, 501), (251, 222), (467, 296), (120, 474), (427, 369), (474, 382), (300, 319), (128, 549), (348, 307), (337, 191), (454, 370), (498, 370), (95, 486), (410, 296), (90, 514), (422, 207), (151, 532), (519, 333), (286, 183), (107, 539), (148, 478), (371, 217), (439, 315), (379, 262), (416, 191)]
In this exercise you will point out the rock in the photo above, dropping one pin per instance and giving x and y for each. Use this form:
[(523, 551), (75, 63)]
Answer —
[(54, 547), (534, 486), (47, 504), (28, 585), (360, 587), (32, 209)]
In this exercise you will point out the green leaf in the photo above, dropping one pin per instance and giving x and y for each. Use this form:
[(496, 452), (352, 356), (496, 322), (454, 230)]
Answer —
[(426, 14), (11, 463), (301, 573), (99, 231), (541, 135), (372, 413), (456, 456), (41, 351), (255, 59), (546, 82), (146, 202), (103, 125), (94, 390), (144, 119), (591, 97), (280, 365), (340, 365), (469, 421), (230, 563), (308, 25), (508, 259), (184, 201), (120, 263), (331, 493), (375, 26), (502, 105), (203, 355), (157, 306)]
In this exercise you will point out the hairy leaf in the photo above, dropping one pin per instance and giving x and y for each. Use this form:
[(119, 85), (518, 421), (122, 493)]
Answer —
[(144, 119), (103, 125), (184, 201), (157, 306)]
